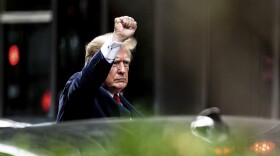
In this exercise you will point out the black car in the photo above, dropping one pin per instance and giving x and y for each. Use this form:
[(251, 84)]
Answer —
[(206, 134)]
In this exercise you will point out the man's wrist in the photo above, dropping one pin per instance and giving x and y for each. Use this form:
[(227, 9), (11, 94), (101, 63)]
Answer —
[(117, 38)]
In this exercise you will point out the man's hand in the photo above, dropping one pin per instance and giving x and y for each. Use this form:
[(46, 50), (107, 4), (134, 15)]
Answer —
[(124, 28)]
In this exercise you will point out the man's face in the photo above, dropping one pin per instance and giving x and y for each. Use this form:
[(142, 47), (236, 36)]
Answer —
[(117, 78)]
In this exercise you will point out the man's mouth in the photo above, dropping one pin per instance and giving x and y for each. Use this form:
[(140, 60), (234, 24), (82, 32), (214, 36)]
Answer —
[(120, 80)]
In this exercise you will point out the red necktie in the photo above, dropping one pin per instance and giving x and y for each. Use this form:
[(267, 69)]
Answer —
[(117, 98)]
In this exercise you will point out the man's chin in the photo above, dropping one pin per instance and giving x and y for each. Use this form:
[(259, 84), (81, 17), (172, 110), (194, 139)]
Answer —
[(120, 86)]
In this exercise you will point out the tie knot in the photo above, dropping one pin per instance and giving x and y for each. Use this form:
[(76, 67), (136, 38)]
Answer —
[(117, 98)]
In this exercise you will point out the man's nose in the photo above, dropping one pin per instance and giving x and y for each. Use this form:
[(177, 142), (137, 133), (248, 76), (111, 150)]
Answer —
[(121, 67)]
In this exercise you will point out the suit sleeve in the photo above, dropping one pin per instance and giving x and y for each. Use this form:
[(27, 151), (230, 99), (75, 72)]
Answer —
[(74, 100), (92, 75), (96, 70)]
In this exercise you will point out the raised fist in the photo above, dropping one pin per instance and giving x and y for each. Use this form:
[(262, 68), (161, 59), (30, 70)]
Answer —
[(124, 28)]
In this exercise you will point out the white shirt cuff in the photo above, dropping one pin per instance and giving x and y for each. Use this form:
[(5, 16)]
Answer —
[(110, 49)]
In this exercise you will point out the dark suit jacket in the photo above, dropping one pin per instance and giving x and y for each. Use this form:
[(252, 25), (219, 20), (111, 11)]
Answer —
[(83, 96)]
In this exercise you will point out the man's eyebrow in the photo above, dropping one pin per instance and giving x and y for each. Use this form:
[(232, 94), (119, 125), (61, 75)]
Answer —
[(125, 59)]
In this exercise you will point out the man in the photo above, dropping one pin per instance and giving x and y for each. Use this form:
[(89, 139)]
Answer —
[(96, 91)]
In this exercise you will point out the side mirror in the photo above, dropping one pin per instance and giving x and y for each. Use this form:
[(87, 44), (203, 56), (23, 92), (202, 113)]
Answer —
[(209, 126)]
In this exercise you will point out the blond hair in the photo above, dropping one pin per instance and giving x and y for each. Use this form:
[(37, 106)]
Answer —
[(95, 45)]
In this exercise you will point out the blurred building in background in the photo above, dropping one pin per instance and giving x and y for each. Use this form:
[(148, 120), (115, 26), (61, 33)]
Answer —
[(26, 58), (191, 54)]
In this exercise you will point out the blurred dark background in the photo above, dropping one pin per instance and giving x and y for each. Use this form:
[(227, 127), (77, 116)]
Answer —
[(191, 54)]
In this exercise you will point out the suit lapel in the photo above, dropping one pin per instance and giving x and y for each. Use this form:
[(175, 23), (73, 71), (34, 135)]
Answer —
[(113, 108), (132, 110)]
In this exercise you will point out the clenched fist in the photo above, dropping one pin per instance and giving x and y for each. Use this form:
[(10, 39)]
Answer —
[(124, 28)]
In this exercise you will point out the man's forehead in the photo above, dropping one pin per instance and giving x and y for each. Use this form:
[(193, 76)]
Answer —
[(122, 58)]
